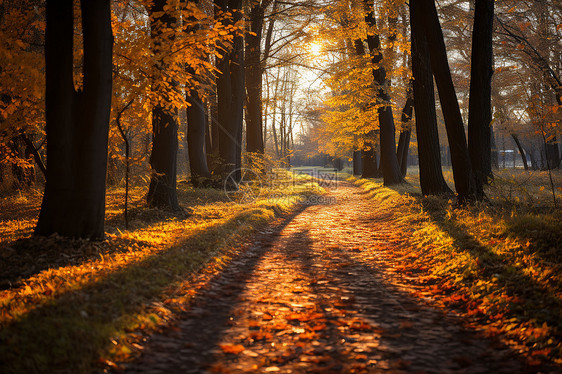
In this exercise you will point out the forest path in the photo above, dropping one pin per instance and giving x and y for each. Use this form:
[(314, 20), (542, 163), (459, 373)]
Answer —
[(313, 295)]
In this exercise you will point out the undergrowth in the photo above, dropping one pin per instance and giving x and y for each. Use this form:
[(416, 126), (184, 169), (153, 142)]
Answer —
[(75, 306), (499, 264)]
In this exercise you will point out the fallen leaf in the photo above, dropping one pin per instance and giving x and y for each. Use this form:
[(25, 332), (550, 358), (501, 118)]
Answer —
[(232, 348)]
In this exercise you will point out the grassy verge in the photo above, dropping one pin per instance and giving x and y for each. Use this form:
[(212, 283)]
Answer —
[(497, 264), (78, 306)]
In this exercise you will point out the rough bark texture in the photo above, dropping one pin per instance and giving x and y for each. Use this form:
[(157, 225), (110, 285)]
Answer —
[(389, 161), (480, 102), (163, 159), (77, 122), (462, 169), (431, 176)]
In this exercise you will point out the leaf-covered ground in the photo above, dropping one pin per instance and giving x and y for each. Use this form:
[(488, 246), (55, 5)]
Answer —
[(73, 306), (342, 287)]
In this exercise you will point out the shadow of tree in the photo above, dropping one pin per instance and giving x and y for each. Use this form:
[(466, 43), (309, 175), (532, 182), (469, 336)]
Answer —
[(86, 318), (539, 303)]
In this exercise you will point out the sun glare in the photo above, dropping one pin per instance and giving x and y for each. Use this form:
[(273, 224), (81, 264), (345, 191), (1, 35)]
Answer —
[(315, 48)]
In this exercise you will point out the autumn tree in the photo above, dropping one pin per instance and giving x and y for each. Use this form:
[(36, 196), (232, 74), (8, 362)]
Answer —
[(230, 90), (389, 162), (163, 159), (196, 111), (254, 74), (22, 93), (77, 121)]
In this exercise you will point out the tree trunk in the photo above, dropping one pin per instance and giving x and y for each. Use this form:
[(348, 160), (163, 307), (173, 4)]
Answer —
[(521, 151), (196, 139), (462, 169), (404, 139), (357, 162), (369, 162), (77, 122), (230, 97), (494, 149), (402, 150), (552, 153), (254, 125), (163, 159), (389, 161), (429, 153), (214, 124), (30, 148), (480, 102), (238, 84)]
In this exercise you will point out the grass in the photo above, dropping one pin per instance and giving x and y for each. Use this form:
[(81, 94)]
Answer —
[(78, 306), (499, 264)]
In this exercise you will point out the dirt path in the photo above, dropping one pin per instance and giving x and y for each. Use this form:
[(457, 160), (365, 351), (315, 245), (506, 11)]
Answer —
[(313, 296)]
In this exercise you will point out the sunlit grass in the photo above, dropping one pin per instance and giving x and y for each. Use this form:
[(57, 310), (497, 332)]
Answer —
[(69, 313), (500, 262)]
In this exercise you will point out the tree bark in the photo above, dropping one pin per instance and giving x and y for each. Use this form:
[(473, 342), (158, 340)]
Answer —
[(389, 161), (238, 85), (357, 162), (404, 138), (429, 154), (163, 159), (196, 139), (369, 162), (230, 96), (462, 169), (77, 122), (480, 102), (254, 71)]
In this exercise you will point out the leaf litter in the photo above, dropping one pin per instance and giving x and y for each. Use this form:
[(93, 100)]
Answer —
[(321, 294)]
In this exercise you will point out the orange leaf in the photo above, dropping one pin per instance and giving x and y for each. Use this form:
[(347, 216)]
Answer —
[(232, 348)]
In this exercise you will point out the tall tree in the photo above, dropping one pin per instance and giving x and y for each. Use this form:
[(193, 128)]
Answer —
[(237, 73), (77, 121), (163, 159), (254, 73), (431, 176), (230, 92), (389, 161), (462, 169), (480, 103), (198, 137), (369, 159)]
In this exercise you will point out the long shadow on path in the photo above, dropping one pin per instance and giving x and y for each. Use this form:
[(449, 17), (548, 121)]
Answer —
[(296, 306)]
